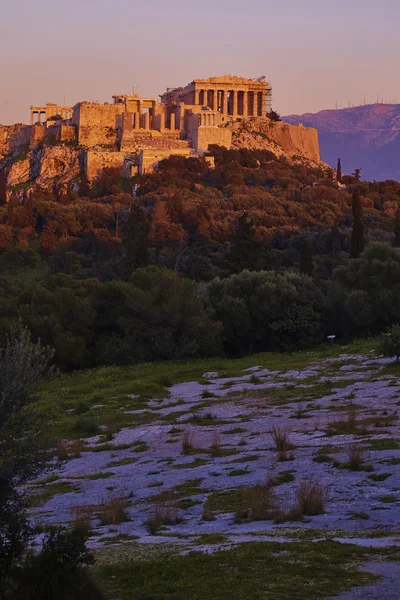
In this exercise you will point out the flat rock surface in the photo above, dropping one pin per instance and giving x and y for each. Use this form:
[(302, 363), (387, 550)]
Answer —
[(327, 410)]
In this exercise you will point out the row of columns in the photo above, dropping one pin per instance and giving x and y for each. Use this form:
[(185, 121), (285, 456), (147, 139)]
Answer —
[(207, 120), (138, 121), (64, 114), (227, 101)]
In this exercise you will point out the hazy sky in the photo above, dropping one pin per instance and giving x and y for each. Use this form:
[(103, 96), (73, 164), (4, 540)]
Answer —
[(315, 52)]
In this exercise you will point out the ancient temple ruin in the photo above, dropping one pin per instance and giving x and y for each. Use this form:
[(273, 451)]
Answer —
[(134, 133)]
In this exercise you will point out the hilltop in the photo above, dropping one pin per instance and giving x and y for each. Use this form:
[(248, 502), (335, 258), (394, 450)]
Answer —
[(66, 147), (366, 137)]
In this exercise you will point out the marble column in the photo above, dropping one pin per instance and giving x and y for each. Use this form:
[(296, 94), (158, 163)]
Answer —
[(245, 104), (146, 120), (137, 121), (234, 103), (172, 121), (215, 99), (225, 102)]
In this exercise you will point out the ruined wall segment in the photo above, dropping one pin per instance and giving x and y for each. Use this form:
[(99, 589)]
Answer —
[(96, 123), (97, 160)]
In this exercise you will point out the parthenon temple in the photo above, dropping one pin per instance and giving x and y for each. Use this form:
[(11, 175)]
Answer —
[(230, 96)]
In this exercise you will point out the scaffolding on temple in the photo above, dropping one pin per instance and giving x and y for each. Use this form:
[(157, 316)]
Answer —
[(269, 97)]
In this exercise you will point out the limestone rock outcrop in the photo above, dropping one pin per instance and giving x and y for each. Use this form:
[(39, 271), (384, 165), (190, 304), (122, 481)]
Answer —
[(280, 138), (46, 166)]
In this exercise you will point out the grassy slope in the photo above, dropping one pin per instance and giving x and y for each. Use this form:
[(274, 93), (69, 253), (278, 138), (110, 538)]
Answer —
[(110, 388), (260, 570)]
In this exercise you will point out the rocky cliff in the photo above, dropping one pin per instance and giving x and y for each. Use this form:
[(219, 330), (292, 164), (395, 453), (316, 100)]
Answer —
[(280, 138), (50, 166), (366, 137), (35, 158)]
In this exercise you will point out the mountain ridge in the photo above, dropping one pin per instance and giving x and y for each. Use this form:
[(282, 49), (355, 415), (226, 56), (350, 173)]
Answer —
[(366, 137)]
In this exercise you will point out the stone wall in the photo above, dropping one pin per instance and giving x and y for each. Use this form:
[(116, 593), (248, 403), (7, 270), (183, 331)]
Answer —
[(212, 135), (17, 139), (61, 133), (96, 161), (280, 138), (96, 123), (149, 158)]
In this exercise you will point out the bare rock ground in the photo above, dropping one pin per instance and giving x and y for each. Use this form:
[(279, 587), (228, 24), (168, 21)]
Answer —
[(327, 409)]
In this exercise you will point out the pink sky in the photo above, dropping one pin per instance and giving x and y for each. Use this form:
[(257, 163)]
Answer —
[(315, 52)]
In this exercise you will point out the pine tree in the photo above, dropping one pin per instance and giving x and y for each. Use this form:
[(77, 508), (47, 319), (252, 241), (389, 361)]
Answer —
[(357, 235), (136, 239), (339, 171), (244, 252), (357, 175), (396, 241), (306, 262)]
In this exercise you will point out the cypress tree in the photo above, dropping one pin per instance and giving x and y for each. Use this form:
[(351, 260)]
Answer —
[(357, 235), (396, 241), (306, 262), (3, 196), (137, 230), (245, 248), (339, 171)]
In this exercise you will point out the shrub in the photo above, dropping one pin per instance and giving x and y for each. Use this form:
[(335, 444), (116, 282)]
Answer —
[(215, 443), (113, 512), (346, 425), (356, 457), (87, 426), (256, 503), (82, 517), (390, 343), (76, 448), (310, 498), (281, 436), (164, 513), (58, 570), (266, 311), (188, 440), (62, 450)]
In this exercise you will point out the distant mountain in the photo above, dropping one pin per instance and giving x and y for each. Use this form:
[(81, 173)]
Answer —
[(366, 137)]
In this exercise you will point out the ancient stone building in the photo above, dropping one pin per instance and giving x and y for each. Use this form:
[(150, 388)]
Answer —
[(133, 133), (45, 113)]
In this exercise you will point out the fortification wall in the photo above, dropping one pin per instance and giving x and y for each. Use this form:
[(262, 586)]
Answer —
[(61, 133), (280, 138), (96, 123), (149, 158), (96, 161), (212, 135), (298, 139), (19, 139)]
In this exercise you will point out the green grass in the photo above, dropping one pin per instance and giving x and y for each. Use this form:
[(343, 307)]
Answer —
[(179, 492), (50, 491), (379, 477), (112, 387), (212, 538), (384, 444), (257, 570), (388, 499)]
